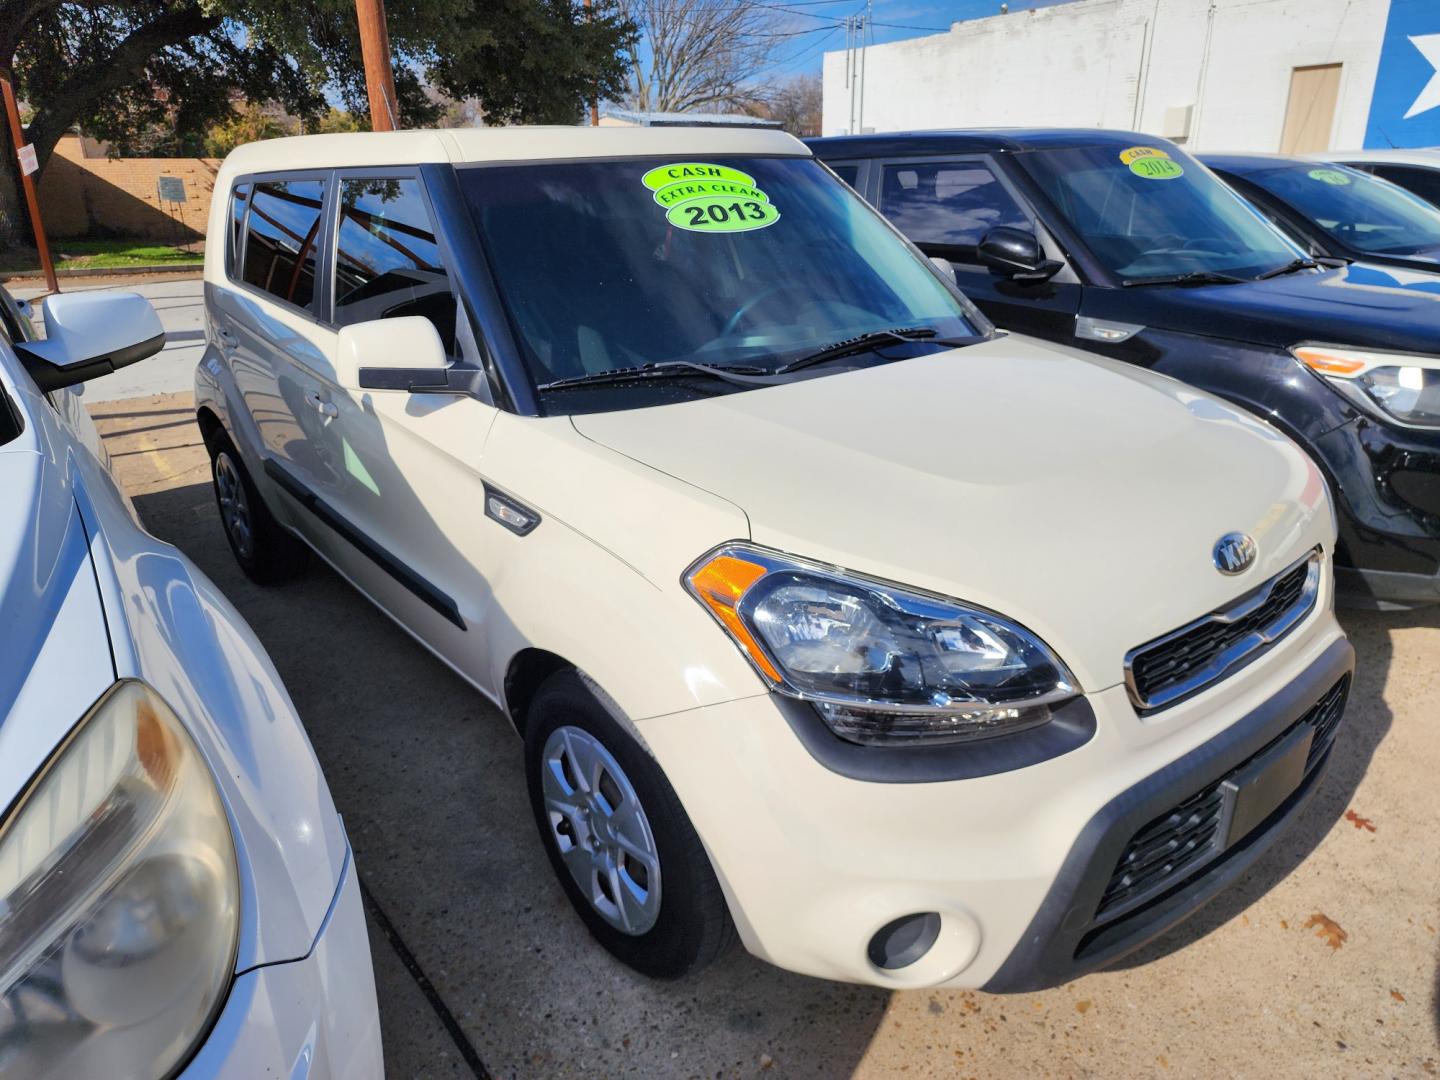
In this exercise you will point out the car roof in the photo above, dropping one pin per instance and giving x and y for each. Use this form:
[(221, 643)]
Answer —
[(461, 146), (1429, 157), (972, 140), (1241, 164)]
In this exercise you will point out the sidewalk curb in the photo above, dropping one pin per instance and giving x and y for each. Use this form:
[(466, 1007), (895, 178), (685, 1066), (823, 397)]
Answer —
[(105, 271)]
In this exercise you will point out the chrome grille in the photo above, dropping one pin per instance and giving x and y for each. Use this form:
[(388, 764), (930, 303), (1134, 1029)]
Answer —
[(1185, 661)]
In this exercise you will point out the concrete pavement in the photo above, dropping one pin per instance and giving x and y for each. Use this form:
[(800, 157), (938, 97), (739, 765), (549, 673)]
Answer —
[(1322, 961)]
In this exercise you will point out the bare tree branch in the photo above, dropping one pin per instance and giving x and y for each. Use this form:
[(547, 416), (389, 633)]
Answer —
[(698, 54)]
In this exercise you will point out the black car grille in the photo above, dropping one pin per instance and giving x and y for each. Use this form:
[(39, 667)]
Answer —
[(1184, 662), (1170, 849)]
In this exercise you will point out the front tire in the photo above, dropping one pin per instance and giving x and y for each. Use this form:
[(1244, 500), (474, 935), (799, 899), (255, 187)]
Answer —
[(260, 544), (618, 838)]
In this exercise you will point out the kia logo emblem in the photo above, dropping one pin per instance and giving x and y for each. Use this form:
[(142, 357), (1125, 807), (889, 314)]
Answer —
[(1234, 553)]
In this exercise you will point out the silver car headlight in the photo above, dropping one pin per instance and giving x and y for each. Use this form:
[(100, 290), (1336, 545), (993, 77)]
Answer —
[(1397, 386), (119, 900), (883, 665)]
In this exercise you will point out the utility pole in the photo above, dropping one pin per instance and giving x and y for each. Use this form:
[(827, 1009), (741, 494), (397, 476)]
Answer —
[(379, 77), (594, 101), (25, 155)]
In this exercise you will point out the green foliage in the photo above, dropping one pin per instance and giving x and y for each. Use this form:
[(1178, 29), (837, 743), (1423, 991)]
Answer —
[(250, 123)]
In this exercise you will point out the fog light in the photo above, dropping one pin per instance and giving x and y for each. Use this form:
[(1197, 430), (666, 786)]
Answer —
[(900, 943)]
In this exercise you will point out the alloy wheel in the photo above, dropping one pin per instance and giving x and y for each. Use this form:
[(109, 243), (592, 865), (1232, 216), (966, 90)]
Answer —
[(234, 506)]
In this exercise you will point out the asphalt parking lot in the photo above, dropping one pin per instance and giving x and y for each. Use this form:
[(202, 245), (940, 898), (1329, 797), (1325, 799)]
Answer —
[(1322, 961)]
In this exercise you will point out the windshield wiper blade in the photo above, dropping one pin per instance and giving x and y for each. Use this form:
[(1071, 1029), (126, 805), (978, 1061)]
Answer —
[(1193, 277), (864, 343), (1289, 268), (741, 375)]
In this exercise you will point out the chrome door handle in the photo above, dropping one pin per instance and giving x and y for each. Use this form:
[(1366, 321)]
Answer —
[(325, 408)]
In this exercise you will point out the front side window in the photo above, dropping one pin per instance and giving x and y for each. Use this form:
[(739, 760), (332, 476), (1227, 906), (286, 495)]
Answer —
[(1413, 178), (1354, 207), (947, 204), (387, 259), (1145, 219), (282, 237), (743, 262)]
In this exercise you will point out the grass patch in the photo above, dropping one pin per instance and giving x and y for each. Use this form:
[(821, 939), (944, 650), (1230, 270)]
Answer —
[(100, 255)]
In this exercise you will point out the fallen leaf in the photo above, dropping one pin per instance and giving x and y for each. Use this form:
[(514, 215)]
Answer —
[(1082, 1006), (1284, 925), (1327, 930), (1164, 1062), (766, 1061), (1359, 822), (1398, 996)]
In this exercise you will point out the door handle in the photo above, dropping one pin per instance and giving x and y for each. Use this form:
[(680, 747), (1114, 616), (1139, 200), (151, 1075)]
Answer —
[(325, 408)]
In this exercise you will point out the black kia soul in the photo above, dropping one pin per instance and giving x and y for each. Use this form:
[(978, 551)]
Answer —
[(1124, 245)]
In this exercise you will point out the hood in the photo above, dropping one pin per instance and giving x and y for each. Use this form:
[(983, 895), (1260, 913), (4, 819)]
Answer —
[(52, 625), (1369, 306), (1079, 496)]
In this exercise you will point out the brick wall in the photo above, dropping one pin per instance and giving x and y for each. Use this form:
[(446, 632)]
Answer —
[(85, 194)]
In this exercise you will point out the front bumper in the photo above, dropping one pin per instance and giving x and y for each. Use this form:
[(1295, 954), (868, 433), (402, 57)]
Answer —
[(310, 1018), (814, 863)]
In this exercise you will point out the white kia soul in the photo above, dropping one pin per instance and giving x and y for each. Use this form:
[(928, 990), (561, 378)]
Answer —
[(913, 652)]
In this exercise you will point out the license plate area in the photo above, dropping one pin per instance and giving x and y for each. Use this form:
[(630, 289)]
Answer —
[(1257, 790)]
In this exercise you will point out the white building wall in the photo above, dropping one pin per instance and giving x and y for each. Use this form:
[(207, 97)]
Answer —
[(1122, 64)]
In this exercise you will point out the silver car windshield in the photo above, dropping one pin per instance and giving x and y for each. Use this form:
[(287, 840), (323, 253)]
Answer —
[(726, 262)]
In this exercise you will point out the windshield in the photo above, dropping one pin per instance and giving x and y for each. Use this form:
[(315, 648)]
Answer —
[(1354, 207), (725, 262), (1147, 213)]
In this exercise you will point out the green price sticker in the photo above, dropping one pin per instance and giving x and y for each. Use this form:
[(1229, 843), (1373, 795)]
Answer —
[(685, 190), (722, 213), (1329, 176), (1156, 168), (693, 170)]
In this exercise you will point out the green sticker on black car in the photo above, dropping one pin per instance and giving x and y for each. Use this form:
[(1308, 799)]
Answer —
[(1156, 168), (1329, 176), (703, 197)]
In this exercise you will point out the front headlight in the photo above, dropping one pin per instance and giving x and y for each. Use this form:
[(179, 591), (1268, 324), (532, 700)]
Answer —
[(119, 900), (883, 665), (1401, 387)]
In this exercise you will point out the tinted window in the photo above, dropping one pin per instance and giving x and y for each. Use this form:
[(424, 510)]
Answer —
[(239, 203), (597, 274), (1157, 221), (1354, 207), (953, 203), (281, 255), (848, 173), (387, 261), (1423, 182)]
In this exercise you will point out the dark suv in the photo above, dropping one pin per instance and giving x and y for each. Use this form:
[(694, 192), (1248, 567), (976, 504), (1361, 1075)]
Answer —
[(1124, 245)]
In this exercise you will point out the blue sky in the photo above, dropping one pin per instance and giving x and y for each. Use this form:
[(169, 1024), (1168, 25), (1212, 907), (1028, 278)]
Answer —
[(817, 26)]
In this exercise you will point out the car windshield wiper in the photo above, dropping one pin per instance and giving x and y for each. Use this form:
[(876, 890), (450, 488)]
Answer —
[(1193, 277), (1289, 268), (866, 342), (665, 369)]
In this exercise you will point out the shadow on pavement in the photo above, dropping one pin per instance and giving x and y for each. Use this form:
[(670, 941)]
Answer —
[(427, 775)]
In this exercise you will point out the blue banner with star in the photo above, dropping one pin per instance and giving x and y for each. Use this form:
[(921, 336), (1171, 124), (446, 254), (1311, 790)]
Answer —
[(1405, 108)]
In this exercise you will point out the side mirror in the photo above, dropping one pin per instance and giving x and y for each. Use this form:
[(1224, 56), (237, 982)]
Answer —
[(90, 334), (1015, 253), (392, 354)]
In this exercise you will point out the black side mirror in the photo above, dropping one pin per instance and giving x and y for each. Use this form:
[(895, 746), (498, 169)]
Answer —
[(1015, 253)]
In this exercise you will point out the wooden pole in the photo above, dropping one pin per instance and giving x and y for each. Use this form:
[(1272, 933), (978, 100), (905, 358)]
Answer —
[(379, 77), (594, 102), (17, 136)]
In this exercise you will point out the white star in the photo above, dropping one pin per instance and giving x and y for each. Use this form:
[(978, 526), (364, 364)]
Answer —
[(1429, 46)]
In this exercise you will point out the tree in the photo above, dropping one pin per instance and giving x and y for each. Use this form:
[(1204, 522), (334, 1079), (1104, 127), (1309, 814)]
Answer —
[(797, 103), (119, 69), (698, 54)]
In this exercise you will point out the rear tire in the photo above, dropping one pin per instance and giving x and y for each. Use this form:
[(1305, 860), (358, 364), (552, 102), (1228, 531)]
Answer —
[(264, 549), (617, 837)]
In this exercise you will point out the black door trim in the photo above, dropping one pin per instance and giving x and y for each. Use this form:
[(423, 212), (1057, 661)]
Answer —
[(367, 547)]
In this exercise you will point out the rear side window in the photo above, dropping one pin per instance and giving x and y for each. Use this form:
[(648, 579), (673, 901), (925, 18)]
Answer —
[(952, 203), (387, 259), (281, 238), (848, 173), (1423, 182), (239, 203)]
